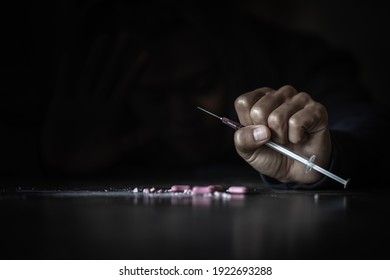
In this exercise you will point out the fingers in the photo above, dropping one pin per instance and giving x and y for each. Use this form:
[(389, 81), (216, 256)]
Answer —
[(281, 117), (244, 105), (289, 114), (310, 120), (250, 138)]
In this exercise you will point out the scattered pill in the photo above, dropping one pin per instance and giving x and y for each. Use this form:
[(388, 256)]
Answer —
[(238, 189), (179, 188), (182, 191), (203, 189)]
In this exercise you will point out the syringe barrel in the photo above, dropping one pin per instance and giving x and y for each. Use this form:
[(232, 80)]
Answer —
[(286, 152), (308, 162)]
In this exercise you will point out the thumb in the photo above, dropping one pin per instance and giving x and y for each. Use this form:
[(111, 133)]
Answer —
[(250, 138)]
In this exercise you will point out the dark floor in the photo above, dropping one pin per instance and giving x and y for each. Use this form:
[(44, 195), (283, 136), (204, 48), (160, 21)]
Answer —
[(78, 220)]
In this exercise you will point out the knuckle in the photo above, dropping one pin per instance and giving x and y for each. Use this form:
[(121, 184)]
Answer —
[(257, 115), (304, 97), (294, 123), (275, 121), (288, 91), (319, 109), (242, 103)]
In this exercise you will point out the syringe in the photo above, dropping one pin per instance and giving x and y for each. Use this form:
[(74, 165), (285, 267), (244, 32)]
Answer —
[(309, 162)]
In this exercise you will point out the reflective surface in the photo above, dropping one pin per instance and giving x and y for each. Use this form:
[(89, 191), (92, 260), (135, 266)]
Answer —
[(110, 221)]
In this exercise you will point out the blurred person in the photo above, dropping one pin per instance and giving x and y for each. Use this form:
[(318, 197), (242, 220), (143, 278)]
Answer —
[(121, 87)]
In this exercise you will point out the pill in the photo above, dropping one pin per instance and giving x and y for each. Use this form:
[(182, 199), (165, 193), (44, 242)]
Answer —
[(238, 189), (203, 189), (179, 188)]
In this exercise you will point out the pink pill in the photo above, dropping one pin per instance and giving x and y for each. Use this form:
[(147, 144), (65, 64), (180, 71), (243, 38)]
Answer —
[(203, 189), (180, 188), (238, 189)]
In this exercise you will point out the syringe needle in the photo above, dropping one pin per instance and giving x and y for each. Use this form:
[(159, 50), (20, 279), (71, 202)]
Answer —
[(228, 122), (306, 161), (210, 113)]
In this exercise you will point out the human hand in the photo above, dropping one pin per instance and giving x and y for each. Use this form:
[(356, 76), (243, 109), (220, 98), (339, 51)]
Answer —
[(290, 118)]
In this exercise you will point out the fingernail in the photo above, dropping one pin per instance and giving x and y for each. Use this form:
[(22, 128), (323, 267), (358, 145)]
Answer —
[(259, 134)]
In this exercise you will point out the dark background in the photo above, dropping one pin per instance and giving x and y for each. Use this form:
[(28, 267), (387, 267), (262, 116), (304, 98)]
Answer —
[(361, 26)]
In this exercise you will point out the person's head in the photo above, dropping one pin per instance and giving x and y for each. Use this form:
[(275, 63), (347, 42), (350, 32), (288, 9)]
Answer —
[(182, 71), (183, 68)]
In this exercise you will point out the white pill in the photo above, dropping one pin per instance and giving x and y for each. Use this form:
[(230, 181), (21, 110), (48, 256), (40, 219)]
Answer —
[(238, 189)]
